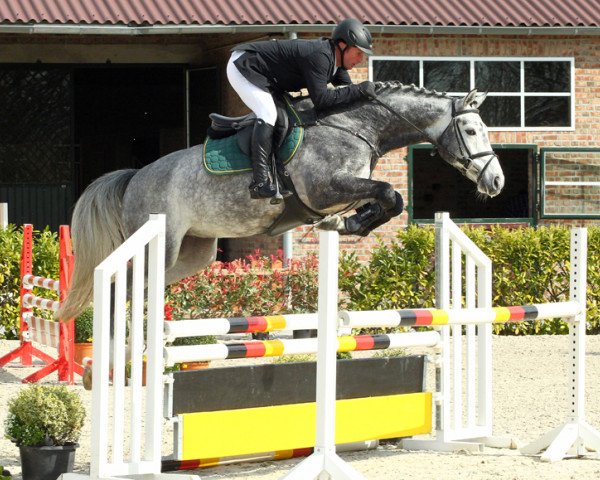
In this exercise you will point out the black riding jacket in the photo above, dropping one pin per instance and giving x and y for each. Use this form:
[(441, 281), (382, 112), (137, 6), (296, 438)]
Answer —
[(291, 65)]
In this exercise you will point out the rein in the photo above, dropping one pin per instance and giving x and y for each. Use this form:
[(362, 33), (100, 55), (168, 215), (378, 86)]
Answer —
[(466, 159), (375, 153)]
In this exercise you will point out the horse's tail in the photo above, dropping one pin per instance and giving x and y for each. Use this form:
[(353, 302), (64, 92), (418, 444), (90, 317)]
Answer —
[(97, 230)]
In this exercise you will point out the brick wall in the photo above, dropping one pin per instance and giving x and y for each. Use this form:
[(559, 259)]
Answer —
[(214, 50)]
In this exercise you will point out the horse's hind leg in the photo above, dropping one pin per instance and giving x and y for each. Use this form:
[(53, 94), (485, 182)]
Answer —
[(194, 254)]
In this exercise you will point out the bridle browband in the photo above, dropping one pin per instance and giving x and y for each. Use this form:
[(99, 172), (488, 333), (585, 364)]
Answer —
[(466, 158)]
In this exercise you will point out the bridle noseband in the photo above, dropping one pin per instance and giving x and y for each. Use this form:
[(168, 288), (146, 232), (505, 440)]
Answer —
[(466, 158)]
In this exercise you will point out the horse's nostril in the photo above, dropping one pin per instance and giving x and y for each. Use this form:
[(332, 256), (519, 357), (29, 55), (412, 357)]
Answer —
[(497, 182)]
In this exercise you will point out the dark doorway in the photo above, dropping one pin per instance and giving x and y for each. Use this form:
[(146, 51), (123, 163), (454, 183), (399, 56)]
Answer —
[(126, 117), (204, 98), (437, 187)]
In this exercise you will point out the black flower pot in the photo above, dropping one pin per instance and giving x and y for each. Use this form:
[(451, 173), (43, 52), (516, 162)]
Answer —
[(47, 463)]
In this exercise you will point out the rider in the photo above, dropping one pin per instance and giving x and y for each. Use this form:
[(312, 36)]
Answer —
[(257, 70)]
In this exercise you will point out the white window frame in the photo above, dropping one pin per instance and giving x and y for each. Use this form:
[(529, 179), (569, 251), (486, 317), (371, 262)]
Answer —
[(562, 183), (522, 94)]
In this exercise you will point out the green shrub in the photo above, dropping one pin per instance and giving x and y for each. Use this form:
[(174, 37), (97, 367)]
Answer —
[(45, 264), (44, 415), (399, 274), (530, 265)]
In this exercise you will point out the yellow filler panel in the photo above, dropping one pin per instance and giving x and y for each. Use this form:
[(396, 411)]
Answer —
[(284, 427)]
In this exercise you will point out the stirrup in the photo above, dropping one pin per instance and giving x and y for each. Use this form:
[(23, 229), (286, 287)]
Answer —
[(262, 190)]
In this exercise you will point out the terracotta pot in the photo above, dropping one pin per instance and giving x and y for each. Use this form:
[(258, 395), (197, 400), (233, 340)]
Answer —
[(194, 365), (82, 350)]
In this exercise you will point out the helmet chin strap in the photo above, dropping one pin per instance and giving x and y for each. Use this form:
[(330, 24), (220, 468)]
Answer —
[(342, 51)]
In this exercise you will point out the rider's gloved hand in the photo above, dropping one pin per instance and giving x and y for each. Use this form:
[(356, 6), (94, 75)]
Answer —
[(367, 89)]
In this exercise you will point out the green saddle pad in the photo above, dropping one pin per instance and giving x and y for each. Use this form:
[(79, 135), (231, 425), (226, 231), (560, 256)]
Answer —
[(223, 156)]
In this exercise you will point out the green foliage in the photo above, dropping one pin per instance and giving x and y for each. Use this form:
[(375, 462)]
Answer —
[(390, 352), (84, 326), (4, 474), (398, 275), (530, 265), (308, 357), (593, 280), (297, 358), (45, 264), (44, 415)]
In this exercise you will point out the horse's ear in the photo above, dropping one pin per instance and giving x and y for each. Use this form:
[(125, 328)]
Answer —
[(479, 98), (473, 99)]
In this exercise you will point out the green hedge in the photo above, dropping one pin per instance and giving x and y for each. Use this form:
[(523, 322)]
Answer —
[(45, 264), (530, 265)]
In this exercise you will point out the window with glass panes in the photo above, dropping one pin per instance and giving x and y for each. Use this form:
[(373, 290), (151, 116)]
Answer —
[(523, 93)]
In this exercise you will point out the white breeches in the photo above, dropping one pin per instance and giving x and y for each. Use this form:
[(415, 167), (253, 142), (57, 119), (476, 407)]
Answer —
[(257, 100)]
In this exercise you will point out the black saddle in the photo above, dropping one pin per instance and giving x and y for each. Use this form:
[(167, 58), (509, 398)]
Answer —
[(223, 127)]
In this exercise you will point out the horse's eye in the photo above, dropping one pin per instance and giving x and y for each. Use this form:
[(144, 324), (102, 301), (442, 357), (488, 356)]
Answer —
[(470, 131)]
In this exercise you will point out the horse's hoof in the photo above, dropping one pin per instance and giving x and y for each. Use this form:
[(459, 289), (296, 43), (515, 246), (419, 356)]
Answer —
[(86, 378)]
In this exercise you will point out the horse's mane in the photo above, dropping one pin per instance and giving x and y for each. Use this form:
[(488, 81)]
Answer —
[(304, 103), (381, 87)]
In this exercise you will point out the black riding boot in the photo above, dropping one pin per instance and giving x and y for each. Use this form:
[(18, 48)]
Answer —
[(262, 144)]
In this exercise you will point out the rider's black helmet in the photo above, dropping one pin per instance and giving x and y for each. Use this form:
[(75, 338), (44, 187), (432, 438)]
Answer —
[(354, 34)]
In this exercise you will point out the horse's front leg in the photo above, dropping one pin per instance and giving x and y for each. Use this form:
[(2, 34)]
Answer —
[(386, 203)]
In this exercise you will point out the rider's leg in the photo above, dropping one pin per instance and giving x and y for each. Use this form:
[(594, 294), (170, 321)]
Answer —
[(262, 104), (262, 141)]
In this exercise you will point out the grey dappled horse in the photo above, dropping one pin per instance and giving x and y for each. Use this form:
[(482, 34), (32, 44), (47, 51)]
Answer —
[(331, 174)]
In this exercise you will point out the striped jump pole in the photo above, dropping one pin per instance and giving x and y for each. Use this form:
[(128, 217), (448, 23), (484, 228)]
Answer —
[(225, 326), (278, 348), (431, 317), (170, 465)]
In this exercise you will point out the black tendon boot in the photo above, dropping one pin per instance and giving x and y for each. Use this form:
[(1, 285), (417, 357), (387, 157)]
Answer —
[(262, 142)]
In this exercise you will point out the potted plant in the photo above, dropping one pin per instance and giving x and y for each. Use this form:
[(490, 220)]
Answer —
[(45, 422), (84, 332)]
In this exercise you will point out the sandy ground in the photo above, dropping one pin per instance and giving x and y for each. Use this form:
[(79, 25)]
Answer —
[(530, 398)]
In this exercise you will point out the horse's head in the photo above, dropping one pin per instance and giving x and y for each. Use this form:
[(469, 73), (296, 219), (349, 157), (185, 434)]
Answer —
[(465, 145)]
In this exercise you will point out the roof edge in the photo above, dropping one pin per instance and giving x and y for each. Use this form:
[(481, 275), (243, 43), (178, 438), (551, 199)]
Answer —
[(133, 30)]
